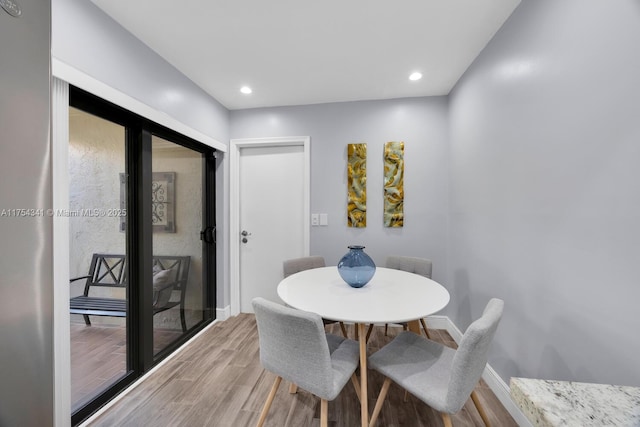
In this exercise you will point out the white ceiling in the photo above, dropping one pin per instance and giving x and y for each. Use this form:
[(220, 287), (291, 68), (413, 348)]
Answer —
[(294, 52)]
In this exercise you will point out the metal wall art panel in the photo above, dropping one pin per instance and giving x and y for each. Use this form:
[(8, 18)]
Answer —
[(163, 206), (394, 184), (357, 185)]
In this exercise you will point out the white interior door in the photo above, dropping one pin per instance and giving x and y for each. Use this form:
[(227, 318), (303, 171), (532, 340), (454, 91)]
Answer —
[(273, 211)]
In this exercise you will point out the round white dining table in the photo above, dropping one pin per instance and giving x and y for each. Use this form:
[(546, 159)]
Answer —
[(391, 296)]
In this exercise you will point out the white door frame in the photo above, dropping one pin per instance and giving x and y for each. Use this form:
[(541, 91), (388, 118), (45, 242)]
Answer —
[(234, 202)]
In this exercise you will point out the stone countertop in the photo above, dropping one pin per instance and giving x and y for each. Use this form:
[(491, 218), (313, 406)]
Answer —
[(565, 403)]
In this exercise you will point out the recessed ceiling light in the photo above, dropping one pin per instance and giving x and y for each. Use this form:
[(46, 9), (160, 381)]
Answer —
[(246, 90), (415, 76)]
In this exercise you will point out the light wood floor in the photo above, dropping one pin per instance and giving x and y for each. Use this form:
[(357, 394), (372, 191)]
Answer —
[(218, 381)]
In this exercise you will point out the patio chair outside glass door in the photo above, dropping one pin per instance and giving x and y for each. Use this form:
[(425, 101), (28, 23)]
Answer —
[(179, 242)]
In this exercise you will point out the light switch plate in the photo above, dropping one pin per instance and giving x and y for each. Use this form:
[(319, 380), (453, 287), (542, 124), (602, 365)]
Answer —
[(315, 220), (324, 219)]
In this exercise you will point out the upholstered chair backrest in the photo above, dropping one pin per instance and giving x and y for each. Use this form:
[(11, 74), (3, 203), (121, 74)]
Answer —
[(421, 266), (293, 345), (292, 266), (471, 357)]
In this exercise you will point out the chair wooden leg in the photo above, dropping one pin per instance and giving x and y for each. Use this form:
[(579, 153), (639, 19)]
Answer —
[(446, 419), (356, 385), (344, 330), (426, 331), (369, 332), (364, 402), (380, 401), (324, 413), (386, 329), (267, 404), (293, 388), (481, 411)]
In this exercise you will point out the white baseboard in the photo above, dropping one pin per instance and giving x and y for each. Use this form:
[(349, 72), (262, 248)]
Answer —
[(490, 376), (502, 392), (223, 313), (443, 322)]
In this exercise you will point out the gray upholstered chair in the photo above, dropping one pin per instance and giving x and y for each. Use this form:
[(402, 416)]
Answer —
[(440, 376), (294, 346), (295, 265), (421, 266)]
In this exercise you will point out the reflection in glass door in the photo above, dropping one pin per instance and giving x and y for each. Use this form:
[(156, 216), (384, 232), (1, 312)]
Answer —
[(177, 220), (98, 343)]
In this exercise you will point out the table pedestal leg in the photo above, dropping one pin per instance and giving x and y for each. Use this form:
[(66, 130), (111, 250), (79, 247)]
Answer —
[(364, 407)]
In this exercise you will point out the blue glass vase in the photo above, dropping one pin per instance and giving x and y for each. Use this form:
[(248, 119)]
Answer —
[(356, 267)]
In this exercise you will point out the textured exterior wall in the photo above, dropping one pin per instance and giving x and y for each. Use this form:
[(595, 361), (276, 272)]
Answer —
[(96, 157)]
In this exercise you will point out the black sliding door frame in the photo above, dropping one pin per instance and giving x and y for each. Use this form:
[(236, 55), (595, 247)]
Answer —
[(139, 241)]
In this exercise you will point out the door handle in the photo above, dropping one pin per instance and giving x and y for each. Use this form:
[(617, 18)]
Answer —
[(208, 235), (245, 233)]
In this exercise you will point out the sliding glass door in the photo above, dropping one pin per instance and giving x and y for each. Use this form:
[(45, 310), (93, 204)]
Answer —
[(142, 225)]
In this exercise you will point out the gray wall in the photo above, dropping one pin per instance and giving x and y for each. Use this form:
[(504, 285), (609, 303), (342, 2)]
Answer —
[(545, 143), (26, 271), (420, 122), (87, 39), (538, 173), (90, 41)]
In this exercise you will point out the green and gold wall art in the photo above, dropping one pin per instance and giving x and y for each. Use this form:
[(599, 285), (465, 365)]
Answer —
[(394, 184), (357, 185)]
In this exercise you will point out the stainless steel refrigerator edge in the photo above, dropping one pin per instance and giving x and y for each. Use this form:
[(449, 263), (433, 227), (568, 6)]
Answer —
[(26, 278)]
